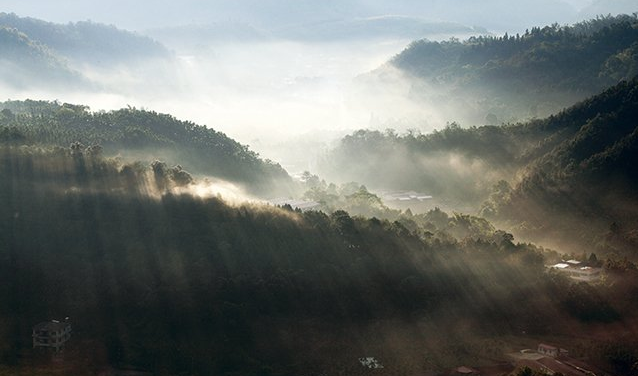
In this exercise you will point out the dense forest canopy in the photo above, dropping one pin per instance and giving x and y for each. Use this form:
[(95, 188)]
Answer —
[(523, 75), (577, 164), (582, 57), (133, 133), (167, 282)]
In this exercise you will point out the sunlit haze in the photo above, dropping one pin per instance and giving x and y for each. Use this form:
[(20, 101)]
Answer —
[(264, 72)]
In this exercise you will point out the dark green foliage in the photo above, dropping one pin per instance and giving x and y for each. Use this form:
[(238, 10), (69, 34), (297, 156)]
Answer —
[(563, 178), (532, 74), (588, 56), (145, 134), (583, 174), (181, 284)]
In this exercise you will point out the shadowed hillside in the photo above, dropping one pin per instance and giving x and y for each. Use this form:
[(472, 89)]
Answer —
[(166, 282)]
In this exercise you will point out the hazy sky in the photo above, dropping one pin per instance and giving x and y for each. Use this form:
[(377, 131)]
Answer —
[(501, 15)]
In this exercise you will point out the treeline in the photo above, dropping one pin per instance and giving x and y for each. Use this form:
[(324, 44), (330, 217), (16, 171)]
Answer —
[(567, 177), (588, 56), (528, 75), (143, 135), (167, 282)]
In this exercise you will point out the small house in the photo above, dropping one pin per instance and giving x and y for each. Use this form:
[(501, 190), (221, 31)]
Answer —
[(548, 350), (52, 334)]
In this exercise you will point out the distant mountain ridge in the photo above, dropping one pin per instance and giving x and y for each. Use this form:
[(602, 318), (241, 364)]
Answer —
[(86, 40), (330, 30), (26, 61), (43, 54)]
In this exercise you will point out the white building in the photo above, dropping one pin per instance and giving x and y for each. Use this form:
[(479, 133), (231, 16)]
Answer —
[(575, 271), (52, 334)]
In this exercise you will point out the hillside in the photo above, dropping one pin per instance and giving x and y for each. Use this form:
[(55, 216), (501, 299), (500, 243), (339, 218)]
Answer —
[(514, 77), (583, 189), (145, 135), (31, 63), (81, 56), (86, 41), (161, 281), (565, 178)]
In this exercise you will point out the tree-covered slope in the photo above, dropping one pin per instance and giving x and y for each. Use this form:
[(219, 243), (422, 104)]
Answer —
[(521, 76), (87, 56), (586, 180), (26, 62), (582, 57), (565, 172), (86, 41), (168, 283), (144, 135)]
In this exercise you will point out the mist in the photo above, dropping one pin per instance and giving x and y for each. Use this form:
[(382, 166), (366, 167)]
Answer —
[(282, 98), (285, 79)]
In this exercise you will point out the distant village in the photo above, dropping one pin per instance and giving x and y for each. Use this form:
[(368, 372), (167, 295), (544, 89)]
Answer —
[(548, 359)]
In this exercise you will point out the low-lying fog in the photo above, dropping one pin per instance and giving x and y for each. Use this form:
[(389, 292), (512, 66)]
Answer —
[(285, 83), (285, 99)]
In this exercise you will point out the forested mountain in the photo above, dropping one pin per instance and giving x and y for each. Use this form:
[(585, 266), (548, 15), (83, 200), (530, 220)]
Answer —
[(570, 174), (168, 283), (86, 41), (145, 135), (27, 62), (522, 76), (584, 186), (36, 54)]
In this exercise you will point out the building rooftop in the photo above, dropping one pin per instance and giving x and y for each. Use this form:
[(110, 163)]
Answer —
[(51, 326), (560, 265), (549, 347)]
